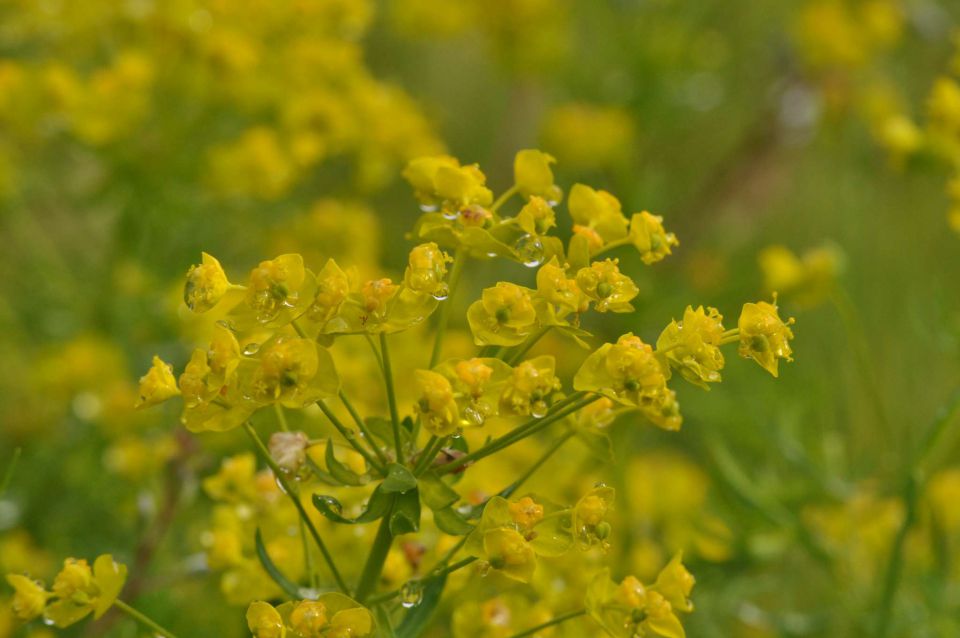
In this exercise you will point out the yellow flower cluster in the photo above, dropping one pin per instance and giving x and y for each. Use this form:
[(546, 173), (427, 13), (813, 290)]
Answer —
[(78, 590), (272, 342)]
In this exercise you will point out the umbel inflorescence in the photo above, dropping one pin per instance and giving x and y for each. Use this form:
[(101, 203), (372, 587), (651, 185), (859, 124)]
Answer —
[(271, 346)]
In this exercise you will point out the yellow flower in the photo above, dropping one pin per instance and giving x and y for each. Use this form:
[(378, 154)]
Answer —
[(80, 590), (376, 293), (630, 609), (610, 289), (533, 177), (437, 404), (157, 385), (764, 337), (536, 217), (29, 599), (554, 287), (675, 584), (264, 621), (293, 372), (441, 181), (692, 346), (526, 512), (275, 286), (235, 481), (529, 388), (650, 238), (333, 286), (308, 618), (630, 373), (599, 211), (508, 552), (206, 284), (590, 525), (427, 269), (503, 316)]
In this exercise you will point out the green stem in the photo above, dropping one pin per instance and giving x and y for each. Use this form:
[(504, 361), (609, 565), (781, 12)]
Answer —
[(281, 417), (509, 491), (507, 194), (913, 485), (373, 348), (550, 623), (518, 434), (433, 575), (296, 326), (524, 347), (143, 619), (391, 396), (378, 556), (351, 438), (292, 495), (459, 259), (363, 428), (8, 475), (308, 557), (428, 453)]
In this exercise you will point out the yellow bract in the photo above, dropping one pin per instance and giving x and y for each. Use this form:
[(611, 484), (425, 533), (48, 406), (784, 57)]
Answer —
[(80, 590), (764, 336), (157, 385), (630, 373), (598, 211), (437, 405), (650, 238), (206, 284), (630, 608), (607, 287), (692, 345), (29, 598), (332, 615), (440, 181), (504, 315), (533, 177)]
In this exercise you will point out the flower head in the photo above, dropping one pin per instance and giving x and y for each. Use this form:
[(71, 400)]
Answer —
[(599, 211), (764, 336), (692, 345), (157, 385), (609, 289), (427, 269), (29, 598), (437, 405), (504, 315), (649, 237), (206, 284)]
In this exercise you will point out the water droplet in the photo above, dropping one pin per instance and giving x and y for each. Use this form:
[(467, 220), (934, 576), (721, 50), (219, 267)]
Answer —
[(251, 349), (428, 208), (539, 409), (474, 415), (451, 214), (411, 593), (442, 291), (530, 250), (280, 485)]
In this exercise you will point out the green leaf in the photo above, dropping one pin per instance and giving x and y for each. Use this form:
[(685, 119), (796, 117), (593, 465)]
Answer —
[(322, 474), (338, 470), (450, 521), (436, 494), (405, 517), (398, 480), (377, 507), (290, 588), (383, 622), (416, 620)]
